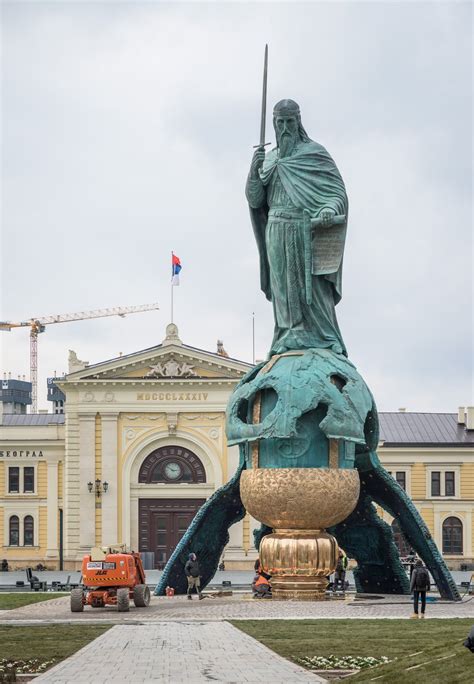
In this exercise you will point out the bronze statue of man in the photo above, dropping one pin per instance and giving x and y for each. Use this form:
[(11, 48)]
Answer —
[(295, 187)]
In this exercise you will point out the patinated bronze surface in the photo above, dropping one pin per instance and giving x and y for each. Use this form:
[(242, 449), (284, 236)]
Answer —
[(295, 187), (305, 421)]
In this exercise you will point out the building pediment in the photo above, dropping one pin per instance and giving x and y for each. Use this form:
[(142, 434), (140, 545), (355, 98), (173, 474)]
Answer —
[(170, 365), (174, 361)]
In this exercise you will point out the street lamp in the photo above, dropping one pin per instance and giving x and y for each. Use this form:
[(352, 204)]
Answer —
[(98, 487)]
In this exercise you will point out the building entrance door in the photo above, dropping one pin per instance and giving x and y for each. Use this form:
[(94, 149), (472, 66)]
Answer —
[(162, 523)]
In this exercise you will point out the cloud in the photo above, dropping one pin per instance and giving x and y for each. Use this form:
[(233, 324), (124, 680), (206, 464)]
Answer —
[(128, 130)]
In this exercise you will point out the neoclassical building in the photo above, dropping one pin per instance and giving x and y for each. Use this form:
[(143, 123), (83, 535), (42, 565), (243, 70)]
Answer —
[(138, 443)]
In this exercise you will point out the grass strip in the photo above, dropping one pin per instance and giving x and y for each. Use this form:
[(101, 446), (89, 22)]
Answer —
[(433, 641), (46, 643), (9, 601)]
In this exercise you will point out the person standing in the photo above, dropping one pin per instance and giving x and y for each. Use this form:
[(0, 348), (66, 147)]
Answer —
[(340, 574), (411, 559), (419, 585), (193, 573), (469, 642)]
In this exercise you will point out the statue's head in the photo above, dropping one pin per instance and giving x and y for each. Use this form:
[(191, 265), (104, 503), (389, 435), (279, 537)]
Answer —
[(288, 127)]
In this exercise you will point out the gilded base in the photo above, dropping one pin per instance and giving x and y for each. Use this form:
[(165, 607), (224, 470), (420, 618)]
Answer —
[(299, 562)]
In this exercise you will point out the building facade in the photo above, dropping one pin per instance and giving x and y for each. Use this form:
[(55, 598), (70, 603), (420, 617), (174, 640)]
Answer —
[(141, 445)]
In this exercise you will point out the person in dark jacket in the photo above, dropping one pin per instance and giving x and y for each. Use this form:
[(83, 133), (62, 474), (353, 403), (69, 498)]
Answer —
[(469, 643), (411, 560), (193, 573), (419, 585), (340, 574)]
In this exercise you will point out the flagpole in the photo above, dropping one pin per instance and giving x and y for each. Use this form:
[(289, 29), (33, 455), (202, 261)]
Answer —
[(253, 337), (172, 287)]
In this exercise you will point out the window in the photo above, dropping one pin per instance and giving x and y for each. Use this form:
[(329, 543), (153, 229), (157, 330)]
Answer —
[(452, 536), (171, 465), (28, 531), (449, 483), (14, 536), (436, 483), (400, 477), (443, 482), (14, 480), (29, 479), (401, 543)]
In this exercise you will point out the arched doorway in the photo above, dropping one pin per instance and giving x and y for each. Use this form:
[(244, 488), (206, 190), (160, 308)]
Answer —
[(163, 521), (402, 545)]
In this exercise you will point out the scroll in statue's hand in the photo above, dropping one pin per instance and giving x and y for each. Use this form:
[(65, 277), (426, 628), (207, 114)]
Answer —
[(257, 162)]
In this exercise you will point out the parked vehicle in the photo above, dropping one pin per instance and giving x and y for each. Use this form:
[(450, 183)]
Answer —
[(111, 578)]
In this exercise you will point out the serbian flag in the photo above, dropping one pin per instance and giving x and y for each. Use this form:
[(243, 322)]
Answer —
[(175, 269)]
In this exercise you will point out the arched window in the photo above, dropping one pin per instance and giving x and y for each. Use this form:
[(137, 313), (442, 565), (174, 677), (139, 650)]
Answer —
[(14, 537), (452, 536), (28, 531), (172, 464), (402, 545)]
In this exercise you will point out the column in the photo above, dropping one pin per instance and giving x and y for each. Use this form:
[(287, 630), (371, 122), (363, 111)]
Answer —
[(52, 515), (253, 525), (86, 474), (110, 475), (234, 550)]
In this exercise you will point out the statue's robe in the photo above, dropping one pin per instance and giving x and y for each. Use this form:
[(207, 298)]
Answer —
[(309, 180)]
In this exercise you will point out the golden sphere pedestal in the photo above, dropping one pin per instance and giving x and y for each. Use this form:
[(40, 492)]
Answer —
[(298, 503)]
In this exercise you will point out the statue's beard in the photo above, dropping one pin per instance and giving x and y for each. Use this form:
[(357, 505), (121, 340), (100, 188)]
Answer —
[(286, 143)]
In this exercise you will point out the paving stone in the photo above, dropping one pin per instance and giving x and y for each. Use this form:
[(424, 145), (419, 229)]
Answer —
[(197, 652), (236, 607)]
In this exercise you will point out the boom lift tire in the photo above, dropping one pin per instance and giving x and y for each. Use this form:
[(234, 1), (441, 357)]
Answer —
[(123, 600), (77, 605), (141, 596)]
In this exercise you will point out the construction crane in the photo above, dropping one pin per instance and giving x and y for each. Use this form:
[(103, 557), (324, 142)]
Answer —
[(38, 325)]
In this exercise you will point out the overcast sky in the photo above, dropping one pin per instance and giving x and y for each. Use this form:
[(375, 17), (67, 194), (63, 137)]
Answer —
[(128, 131)]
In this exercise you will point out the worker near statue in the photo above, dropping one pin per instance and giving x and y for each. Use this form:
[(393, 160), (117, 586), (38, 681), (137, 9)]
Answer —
[(298, 206)]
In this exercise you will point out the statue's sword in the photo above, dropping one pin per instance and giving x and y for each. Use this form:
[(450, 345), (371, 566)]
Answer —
[(262, 143)]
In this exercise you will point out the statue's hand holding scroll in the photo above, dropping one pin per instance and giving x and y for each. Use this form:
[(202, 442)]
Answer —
[(327, 217)]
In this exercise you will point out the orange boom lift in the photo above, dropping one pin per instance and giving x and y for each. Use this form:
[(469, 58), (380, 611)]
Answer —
[(111, 577)]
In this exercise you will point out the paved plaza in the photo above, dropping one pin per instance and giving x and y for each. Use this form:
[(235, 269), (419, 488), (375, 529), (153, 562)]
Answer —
[(177, 652), (240, 606), (175, 640)]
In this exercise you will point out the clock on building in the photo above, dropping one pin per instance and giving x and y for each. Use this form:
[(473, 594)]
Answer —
[(173, 470)]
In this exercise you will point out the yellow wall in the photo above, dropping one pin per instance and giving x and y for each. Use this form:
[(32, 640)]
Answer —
[(42, 474), (472, 529), (418, 481), (2, 530), (428, 516), (43, 528), (2, 479), (60, 479), (98, 476), (467, 481), (246, 533)]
